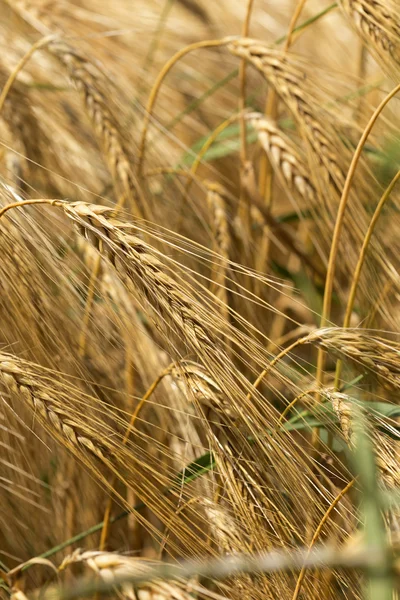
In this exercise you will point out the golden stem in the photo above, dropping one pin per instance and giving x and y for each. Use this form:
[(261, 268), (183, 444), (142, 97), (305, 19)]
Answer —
[(318, 532), (360, 263), (107, 512), (157, 84), (39, 44)]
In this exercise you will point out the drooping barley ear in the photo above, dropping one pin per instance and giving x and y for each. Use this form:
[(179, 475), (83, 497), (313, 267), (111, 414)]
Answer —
[(288, 80), (242, 479), (379, 356), (219, 222), (46, 401), (242, 523), (90, 84), (285, 158), (138, 262), (378, 23)]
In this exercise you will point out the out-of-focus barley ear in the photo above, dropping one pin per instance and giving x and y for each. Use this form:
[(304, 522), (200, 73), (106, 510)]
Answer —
[(386, 448), (109, 566), (17, 594), (378, 23), (222, 242), (262, 217), (226, 532), (29, 139), (90, 83)]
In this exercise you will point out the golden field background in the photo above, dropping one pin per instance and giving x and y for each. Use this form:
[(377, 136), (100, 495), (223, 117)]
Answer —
[(199, 291)]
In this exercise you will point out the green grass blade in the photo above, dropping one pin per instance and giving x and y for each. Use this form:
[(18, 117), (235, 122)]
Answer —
[(379, 584)]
